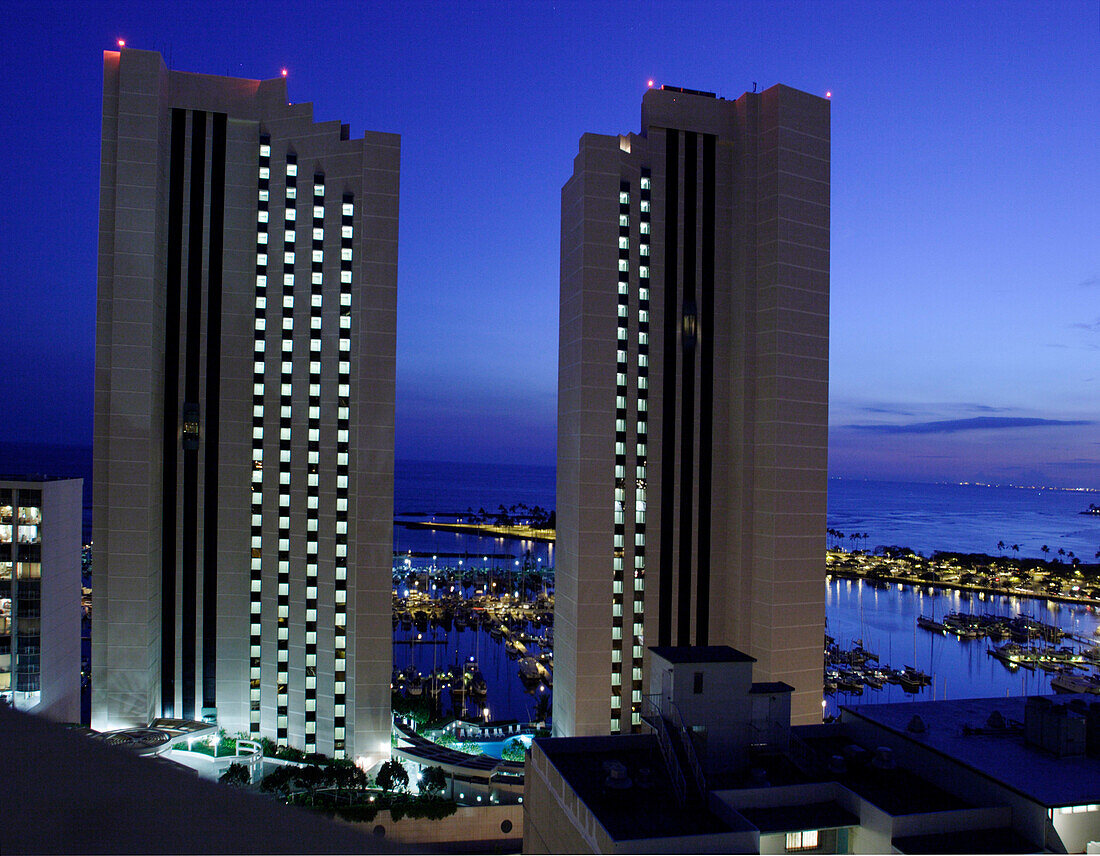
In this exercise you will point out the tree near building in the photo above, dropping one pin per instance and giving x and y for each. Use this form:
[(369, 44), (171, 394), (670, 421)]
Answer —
[(235, 776), (433, 780), (392, 777)]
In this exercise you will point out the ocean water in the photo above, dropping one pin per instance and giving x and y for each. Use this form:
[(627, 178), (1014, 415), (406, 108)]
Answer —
[(924, 517), (447, 491), (965, 518)]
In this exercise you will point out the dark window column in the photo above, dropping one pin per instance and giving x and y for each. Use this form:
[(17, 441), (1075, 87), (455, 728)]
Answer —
[(192, 355), (668, 408), (170, 418), (706, 394), (689, 319), (213, 399)]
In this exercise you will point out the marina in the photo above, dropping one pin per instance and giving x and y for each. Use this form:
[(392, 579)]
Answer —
[(1044, 645)]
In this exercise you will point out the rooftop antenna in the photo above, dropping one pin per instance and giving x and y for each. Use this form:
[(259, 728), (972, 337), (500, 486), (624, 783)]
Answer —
[(754, 86)]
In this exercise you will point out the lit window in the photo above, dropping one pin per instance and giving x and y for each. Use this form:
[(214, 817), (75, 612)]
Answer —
[(261, 238), (318, 212), (624, 197), (644, 183), (262, 216), (645, 228), (265, 172), (345, 254), (624, 219), (645, 205), (802, 840), (624, 243), (292, 169), (624, 265), (348, 209), (289, 237), (289, 215), (292, 193), (265, 150)]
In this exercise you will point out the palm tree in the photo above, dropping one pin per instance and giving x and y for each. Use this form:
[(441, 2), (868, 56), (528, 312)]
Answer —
[(1016, 549), (1045, 549), (1001, 546)]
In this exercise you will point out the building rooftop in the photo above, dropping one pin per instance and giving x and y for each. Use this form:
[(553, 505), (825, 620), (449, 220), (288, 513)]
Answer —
[(999, 754), (770, 687), (126, 804), (792, 818), (701, 654), (35, 477), (1001, 840), (642, 808)]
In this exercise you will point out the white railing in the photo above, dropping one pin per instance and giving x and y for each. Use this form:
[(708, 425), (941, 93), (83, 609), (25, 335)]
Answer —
[(689, 750), (679, 785)]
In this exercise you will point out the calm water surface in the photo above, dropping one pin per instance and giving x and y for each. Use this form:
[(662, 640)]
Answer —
[(886, 621)]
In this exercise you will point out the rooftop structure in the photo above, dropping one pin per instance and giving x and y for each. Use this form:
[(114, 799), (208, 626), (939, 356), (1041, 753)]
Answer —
[(979, 776)]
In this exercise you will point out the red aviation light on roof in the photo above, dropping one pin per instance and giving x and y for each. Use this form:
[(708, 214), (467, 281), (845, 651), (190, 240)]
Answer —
[(650, 84), (122, 43), (828, 93), (284, 72)]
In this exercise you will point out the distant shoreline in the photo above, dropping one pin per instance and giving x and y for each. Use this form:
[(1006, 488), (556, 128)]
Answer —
[(488, 530)]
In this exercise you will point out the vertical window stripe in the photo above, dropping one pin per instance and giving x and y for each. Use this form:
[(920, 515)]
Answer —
[(343, 426), (282, 642), (259, 360)]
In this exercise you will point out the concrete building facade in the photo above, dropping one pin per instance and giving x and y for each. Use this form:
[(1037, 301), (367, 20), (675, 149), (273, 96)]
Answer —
[(693, 399), (244, 402), (40, 522)]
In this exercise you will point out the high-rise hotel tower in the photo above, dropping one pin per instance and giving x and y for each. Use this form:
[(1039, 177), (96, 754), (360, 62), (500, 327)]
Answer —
[(693, 399), (244, 398)]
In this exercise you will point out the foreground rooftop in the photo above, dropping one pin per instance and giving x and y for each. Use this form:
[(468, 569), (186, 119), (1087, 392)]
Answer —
[(959, 731)]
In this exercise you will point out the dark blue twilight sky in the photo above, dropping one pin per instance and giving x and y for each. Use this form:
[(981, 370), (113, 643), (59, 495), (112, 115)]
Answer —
[(966, 220)]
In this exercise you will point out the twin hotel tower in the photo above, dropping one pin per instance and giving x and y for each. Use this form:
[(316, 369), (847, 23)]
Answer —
[(244, 406)]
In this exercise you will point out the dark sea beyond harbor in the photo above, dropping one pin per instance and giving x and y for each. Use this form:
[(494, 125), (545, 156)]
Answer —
[(924, 517)]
